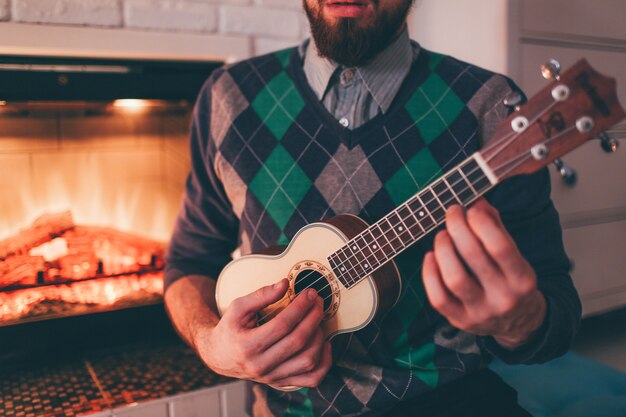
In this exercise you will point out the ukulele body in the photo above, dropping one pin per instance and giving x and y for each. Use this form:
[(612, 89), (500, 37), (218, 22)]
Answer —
[(304, 263)]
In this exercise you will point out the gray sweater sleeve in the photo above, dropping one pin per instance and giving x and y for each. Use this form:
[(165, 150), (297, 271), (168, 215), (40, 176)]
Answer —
[(205, 233)]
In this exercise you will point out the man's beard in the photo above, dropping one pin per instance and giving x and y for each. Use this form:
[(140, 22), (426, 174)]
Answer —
[(350, 45)]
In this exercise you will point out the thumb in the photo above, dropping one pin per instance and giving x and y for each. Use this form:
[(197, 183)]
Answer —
[(244, 308)]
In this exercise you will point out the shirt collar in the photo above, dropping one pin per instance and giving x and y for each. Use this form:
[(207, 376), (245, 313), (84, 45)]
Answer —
[(394, 62)]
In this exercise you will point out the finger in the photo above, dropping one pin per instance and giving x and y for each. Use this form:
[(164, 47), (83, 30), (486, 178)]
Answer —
[(301, 362), (440, 298), (304, 310), (471, 249), (310, 379), (485, 222), (242, 309), (453, 273)]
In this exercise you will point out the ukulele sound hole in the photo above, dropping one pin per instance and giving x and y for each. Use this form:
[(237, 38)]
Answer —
[(312, 279)]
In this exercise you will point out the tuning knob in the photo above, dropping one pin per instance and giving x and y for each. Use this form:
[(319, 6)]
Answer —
[(513, 100), (608, 144), (551, 70), (567, 173)]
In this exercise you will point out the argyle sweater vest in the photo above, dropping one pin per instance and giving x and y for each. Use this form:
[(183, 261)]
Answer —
[(269, 159)]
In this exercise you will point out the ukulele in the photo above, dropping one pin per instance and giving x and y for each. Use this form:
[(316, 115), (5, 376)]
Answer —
[(350, 263)]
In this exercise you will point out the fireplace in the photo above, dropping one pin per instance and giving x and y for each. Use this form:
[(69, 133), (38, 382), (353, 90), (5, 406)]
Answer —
[(93, 161), (93, 154)]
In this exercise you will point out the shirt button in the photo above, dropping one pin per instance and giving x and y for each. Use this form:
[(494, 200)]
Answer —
[(347, 76), (344, 122)]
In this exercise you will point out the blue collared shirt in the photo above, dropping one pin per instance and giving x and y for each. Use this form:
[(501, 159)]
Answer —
[(356, 95)]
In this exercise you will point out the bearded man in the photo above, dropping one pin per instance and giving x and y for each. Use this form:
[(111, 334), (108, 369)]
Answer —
[(356, 120)]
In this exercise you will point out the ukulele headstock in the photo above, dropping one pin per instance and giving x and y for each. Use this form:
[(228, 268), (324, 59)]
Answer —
[(578, 105)]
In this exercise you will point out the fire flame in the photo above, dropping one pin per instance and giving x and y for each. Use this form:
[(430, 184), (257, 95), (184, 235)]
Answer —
[(104, 292)]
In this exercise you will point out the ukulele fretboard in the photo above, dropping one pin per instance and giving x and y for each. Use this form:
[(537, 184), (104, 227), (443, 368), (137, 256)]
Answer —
[(409, 222)]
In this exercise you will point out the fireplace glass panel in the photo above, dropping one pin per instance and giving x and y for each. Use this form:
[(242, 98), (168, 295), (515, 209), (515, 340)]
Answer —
[(88, 199)]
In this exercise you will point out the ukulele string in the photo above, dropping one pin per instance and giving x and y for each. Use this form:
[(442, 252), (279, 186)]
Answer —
[(501, 144), (505, 141), (520, 159)]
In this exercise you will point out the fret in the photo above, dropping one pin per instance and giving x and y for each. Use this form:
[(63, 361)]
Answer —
[(475, 176), (374, 246), (400, 228), (390, 234), (410, 220), (369, 256), (356, 259), (460, 186), (445, 194), (381, 238), (423, 216), (346, 266), (436, 210)]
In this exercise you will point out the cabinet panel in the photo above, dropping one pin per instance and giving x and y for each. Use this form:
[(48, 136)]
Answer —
[(597, 18), (203, 404), (599, 264), (149, 410)]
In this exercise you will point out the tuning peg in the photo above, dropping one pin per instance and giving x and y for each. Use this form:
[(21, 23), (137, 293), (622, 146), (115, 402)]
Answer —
[(513, 100), (567, 173), (551, 70), (608, 144)]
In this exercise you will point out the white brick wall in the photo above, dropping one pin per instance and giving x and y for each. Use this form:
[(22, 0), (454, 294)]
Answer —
[(74, 12), (266, 24)]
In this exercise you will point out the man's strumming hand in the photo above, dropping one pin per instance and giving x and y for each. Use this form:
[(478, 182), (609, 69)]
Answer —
[(288, 350), (477, 278)]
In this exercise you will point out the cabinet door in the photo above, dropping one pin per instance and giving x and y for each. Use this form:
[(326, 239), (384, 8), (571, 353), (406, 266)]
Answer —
[(158, 409), (599, 253), (203, 404), (593, 212)]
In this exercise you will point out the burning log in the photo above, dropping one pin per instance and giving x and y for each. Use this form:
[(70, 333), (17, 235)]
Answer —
[(55, 266), (43, 229), (21, 269)]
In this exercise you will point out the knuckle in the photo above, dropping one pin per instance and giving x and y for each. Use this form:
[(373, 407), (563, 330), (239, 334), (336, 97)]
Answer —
[(237, 303), (283, 326), (308, 363), (297, 343), (438, 302), (253, 370), (457, 283), (507, 305), (526, 287)]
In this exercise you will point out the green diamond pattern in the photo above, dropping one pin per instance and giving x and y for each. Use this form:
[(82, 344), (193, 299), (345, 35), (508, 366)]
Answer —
[(421, 360), (434, 107), (300, 410), (278, 104), (284, 56), (422, 168), (434, 59), (280, 185)]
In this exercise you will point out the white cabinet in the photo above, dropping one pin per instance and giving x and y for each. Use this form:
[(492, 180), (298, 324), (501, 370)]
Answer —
[(593, 213), (516, 37), (226, 400)]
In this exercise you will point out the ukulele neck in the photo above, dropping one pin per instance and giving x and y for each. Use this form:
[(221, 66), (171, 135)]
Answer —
[(411, 221)]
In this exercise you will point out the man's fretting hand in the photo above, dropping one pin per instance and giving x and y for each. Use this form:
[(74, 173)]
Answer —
[(477, 278), (289, 349)]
